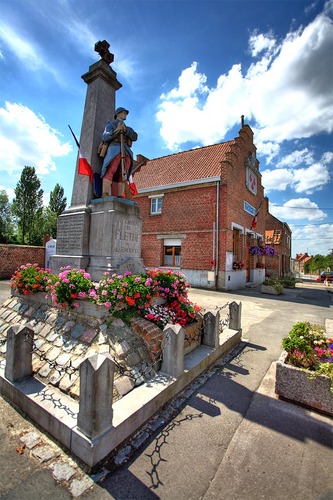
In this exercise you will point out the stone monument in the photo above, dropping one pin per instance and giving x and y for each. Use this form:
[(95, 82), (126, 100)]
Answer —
[(98, 234)]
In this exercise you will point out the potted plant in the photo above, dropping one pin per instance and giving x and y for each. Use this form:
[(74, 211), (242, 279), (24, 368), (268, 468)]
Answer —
[(271, 287), (304, 372)]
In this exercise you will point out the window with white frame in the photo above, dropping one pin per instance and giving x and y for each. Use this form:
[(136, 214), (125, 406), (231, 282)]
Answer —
[(172, 253), (156, 205)]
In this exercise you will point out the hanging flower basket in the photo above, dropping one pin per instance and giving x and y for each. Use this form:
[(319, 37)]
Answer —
[(262, 250)]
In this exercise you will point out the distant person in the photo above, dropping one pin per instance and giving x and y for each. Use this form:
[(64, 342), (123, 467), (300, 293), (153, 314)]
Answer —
[(112, 174)]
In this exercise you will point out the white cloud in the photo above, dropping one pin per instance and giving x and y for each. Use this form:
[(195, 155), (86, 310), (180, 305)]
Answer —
[(310, 179), (260, 42), (26, 139), (288, 92), (27, 52), (278, 179), (313, 239), (297, 209), (313, 177), (296, 158)]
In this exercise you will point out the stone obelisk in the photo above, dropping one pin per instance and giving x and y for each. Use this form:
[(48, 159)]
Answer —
[(101, 234)]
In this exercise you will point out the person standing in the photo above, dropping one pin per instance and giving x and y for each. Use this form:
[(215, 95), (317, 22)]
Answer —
[(112, 175)]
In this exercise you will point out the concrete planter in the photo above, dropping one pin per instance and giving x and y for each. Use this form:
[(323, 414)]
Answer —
[(294, 384), (270, 290)]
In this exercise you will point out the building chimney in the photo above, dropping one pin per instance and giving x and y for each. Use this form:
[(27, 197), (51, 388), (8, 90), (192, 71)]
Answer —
[(242, 121)]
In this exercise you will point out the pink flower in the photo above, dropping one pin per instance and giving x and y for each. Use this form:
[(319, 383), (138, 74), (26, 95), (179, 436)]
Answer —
[(107, 304)]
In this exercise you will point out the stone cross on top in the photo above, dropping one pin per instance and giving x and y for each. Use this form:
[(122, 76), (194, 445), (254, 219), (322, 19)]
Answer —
[(103, 49)]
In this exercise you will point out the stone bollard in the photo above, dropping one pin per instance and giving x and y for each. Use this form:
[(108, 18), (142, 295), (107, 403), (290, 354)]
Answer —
[(211, 329), (19, 352), (96, 390), (235, 313), (173, 350)]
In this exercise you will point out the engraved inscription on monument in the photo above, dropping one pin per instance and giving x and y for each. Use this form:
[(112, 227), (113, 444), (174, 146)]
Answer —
[(70, 231), (127, 236)]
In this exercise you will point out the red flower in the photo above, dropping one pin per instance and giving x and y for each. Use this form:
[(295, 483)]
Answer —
[(130, 301), (73, 295), (136, 295)]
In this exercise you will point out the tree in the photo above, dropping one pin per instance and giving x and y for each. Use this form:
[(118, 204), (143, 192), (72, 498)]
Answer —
[(28, 204), (6, 225), (56, 206), (57, 201)]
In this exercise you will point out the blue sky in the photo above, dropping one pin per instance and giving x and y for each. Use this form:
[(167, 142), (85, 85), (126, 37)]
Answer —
[(189, 70)]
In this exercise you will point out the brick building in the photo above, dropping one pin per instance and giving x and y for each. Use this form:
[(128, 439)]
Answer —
[(278, 236), (198, 209)]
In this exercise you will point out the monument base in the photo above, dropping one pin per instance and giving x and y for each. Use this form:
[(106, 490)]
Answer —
[(103, 237)]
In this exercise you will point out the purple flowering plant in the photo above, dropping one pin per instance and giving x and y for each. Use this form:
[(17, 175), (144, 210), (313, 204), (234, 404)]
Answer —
[(262, 250)]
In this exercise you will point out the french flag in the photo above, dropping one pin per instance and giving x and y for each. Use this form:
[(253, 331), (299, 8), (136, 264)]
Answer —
[(84, 167)]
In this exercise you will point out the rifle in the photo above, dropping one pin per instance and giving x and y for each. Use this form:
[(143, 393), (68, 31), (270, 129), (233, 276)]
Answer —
[(123, 168)]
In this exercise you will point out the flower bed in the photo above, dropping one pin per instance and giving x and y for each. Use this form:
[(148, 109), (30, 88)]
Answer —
[(304, 372), (124, 295)]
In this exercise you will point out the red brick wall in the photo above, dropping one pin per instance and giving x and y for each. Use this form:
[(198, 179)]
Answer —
[(14, 256), (190, 211)]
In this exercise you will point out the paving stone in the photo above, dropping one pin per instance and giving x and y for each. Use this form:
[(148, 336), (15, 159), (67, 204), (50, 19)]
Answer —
[(140, 439), (68, 326), (123, 455), (23, 308), (67, 382), (88, 335), (60, 321), (29, 312), (60, 340), (44, 453), (124, 385), (63, 359), (79, 486), (52, 335), (77, 331), (39, 343), (5, 314), (7, 302), (53, 353), (75, 390), (70, 345), (45, 371), (4, 327), (37, 364), (61, 471), (31, 439), (45, 331), (55, 378)]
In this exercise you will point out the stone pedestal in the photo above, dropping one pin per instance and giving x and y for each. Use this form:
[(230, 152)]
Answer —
[(115, 237), (104, 236)]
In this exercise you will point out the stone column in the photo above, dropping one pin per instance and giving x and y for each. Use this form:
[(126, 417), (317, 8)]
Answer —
[(235, 312), (211, 329), (99, 108), (19, 353), (173, 350), (96, 390)]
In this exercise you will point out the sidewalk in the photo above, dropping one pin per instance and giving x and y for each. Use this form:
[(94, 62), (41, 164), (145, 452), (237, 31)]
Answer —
[(227, 437)]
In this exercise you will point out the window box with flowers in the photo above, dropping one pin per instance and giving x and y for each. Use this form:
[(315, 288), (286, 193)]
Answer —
[(238, 265), (304, 371)]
